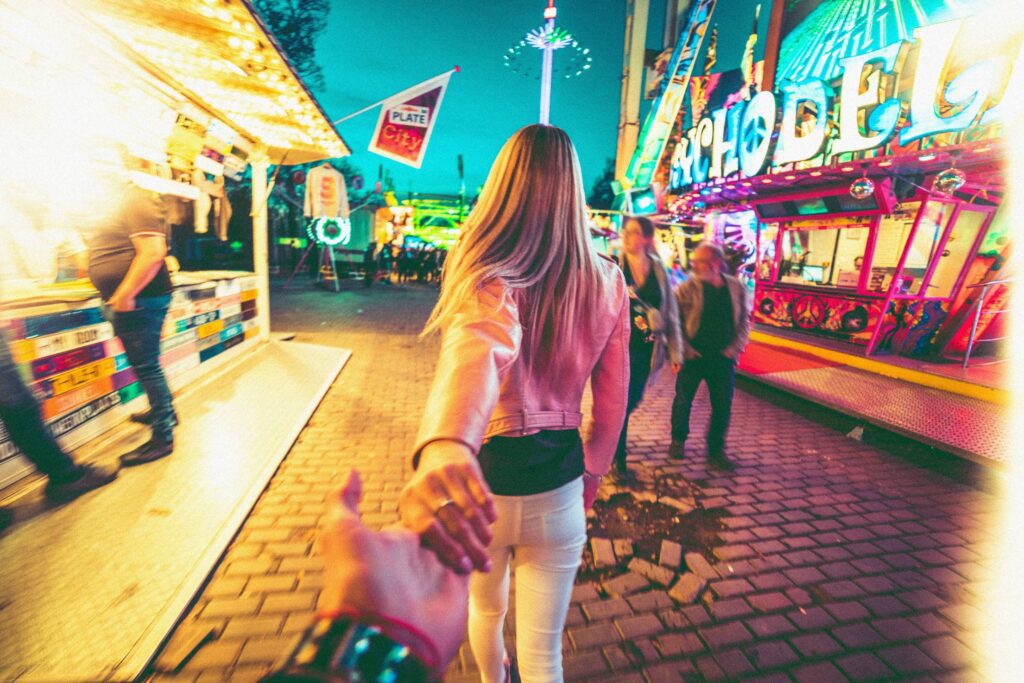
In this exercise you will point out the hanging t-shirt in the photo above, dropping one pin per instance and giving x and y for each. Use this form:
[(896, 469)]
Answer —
[(326, 196)]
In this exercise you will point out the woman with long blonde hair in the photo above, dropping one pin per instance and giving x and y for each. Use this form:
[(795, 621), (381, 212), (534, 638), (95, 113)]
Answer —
[(529, 312)]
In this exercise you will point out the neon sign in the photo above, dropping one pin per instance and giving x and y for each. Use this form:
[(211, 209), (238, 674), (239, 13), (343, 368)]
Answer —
[(738, 139)]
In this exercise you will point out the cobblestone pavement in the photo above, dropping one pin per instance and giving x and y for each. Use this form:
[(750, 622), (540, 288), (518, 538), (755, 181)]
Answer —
[(836, 560)]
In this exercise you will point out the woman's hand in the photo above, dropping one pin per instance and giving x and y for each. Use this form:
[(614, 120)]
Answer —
[(447, 503), (387, 573)]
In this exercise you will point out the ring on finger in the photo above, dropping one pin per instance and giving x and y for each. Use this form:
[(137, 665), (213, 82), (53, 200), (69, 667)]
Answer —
[(443, 504)]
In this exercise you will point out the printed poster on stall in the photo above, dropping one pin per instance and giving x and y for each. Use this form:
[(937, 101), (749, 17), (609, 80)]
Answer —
[(407, 120)]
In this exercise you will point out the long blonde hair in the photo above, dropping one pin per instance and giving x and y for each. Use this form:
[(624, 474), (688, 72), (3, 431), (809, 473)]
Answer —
[(530, 229)]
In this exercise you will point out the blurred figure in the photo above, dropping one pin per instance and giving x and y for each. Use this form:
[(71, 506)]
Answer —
[(389, 610), (19, 408), (716, 329), (126, 265), (654, 337), (528, 313)]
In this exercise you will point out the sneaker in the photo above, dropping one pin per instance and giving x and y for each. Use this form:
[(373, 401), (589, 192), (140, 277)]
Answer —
[(676, 450), (154, 449), (91, 477)]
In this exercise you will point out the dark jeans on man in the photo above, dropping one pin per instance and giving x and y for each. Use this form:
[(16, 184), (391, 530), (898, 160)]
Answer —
[(139, 332), (20, 413), (719, 373), (639, 371)]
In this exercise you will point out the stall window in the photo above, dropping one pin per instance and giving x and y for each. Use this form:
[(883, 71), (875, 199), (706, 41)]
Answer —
[(767, 234), (956, 252), (826, 257), (921, 251), (893, 231)]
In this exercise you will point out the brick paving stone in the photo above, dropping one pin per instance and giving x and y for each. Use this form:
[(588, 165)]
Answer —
[(885, 605), (769, 602), (662, 576), (731, 587), (624, 585), (734, 663), (671, 555), (730, 609), (772, 654), (857, 636), (821, 672), (649, 602), (273, 583), (244, 627), (711, 671), (771, 625), (220, 653), (950, 653), (642, 625), (907, 659), (585, 664), (847, 611), (770, 581), (696, 614), (864, 666), (288, 602), (224, 607), (588, 637), (265, 649), (616, 657), (670, 672), (815, 645), (598, 610), (673, 644), (603, 552), (724, 635), (699, 565), (687, 588)]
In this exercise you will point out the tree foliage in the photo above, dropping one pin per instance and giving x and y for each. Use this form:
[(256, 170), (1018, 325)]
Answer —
[(296, 24), (601, 194)]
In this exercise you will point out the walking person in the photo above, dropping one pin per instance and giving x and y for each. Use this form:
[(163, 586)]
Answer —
[(126, 265), (528, 313), (654, 336), (20, 412), (716, 329)]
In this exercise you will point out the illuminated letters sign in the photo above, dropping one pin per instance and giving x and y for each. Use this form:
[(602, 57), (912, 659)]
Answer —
[(737, 139)]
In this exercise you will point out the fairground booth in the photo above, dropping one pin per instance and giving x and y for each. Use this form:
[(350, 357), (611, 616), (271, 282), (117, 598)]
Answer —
[(857, 171), (191, 100)]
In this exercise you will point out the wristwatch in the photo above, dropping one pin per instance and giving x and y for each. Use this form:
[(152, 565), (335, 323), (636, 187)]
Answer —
[(344, 649)]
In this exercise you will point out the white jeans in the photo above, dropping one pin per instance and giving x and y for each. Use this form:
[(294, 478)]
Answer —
[(544, 535)]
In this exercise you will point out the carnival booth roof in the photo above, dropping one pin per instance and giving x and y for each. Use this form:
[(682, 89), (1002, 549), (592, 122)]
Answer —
[(220, 53)]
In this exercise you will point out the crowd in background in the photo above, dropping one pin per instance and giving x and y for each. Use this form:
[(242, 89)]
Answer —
[(401, 264)]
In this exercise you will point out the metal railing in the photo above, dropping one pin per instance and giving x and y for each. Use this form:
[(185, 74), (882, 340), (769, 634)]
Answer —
[(979, 304)]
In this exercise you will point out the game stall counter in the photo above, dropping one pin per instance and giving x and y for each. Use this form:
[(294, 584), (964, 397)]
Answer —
[(68, 354)]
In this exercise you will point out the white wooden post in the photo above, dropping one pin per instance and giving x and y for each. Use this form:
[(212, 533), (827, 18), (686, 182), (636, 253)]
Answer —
[(260, 256)]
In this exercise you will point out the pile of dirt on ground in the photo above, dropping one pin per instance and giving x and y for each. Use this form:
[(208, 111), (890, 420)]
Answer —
[(637, 515)]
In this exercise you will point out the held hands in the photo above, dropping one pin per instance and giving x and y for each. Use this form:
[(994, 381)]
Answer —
[(450, 507), (676, 367), (388, 574)]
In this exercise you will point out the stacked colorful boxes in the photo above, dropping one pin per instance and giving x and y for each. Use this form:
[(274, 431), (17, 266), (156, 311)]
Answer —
[(78, 369)]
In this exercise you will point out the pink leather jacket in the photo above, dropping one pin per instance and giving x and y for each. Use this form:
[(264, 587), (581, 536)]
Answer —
[(483, 388)]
